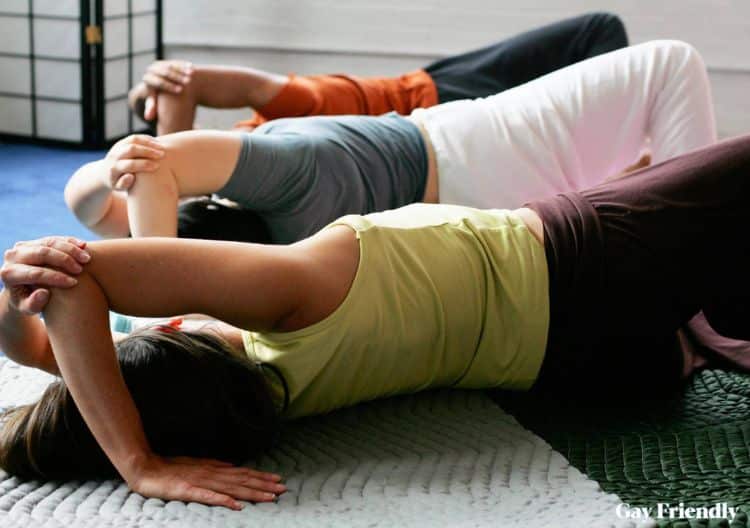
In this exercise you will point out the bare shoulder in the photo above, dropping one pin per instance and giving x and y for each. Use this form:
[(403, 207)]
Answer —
[(331, 259)]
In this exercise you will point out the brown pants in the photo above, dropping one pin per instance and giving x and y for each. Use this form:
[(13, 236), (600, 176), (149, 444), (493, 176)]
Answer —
[(633, 260)]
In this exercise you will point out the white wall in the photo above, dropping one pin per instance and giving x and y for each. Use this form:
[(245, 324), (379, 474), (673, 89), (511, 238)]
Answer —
[(383, 37)]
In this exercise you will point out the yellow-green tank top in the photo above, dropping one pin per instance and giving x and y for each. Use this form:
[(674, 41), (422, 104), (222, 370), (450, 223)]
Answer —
[(444, 296)]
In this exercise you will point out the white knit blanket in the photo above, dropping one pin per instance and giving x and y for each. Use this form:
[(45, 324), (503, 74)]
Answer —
[(440, 459)]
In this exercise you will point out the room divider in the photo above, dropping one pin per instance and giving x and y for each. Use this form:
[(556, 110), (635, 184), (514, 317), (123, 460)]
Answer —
[(66, 67)]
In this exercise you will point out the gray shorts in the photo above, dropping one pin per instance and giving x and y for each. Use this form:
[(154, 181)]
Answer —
[(300, 174)]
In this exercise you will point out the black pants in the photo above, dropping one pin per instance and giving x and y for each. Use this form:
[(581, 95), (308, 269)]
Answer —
[(517, 60), (632, 261)]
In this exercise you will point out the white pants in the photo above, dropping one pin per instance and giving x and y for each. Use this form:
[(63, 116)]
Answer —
[(573, 128)]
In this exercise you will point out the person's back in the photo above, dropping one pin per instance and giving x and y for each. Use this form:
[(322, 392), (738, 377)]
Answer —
[(299, 174), (443, 296)]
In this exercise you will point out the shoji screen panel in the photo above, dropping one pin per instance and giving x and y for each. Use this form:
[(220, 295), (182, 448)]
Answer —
[(131, 41), (68, 64)]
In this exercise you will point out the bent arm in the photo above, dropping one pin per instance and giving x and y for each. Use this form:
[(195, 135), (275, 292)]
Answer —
[(172, 90), (249, 286), (91, 195), (196, 162)]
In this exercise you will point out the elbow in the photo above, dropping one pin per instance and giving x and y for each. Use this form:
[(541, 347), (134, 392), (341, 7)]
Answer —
[(68, 302), (77, 193), (70, 194)]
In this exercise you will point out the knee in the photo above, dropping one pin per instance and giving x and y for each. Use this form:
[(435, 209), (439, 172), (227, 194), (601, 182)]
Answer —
[(684, 55)]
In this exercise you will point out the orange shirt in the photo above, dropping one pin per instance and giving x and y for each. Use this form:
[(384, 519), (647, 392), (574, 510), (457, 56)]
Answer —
[(347, 94)]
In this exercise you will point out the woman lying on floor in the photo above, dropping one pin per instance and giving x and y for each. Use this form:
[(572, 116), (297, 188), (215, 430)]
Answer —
[(396, 302), (565, 131), (479, 73)]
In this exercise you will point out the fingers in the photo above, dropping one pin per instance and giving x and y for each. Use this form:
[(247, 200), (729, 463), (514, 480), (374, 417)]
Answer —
[(179, 72), (29, 268), (241, 483), (141, 139), (123, 167), (134, 154), (239, 490), (257, 484), (24, 275), (204, 480), (137, 146), (80, 243), (160, 83), (237, 482), (212, 498), (168, 76), (43, 256), (35, 302), (60, 252), (147, 150)]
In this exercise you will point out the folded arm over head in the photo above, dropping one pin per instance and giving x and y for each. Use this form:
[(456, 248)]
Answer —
[(96, 192), (154, 173), (195, 163), (171, 90), (247, 285)]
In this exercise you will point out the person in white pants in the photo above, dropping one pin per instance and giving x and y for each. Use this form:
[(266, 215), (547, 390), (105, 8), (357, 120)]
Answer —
[(566, 131), (572, 128)]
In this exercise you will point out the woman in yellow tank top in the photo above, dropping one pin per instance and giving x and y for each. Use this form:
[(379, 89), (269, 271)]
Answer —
[(564, 294)]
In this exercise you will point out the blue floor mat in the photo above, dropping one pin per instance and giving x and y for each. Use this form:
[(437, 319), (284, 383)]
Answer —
[(32, 179)]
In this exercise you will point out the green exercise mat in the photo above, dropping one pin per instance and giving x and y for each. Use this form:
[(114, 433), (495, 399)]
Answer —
[(691, 447)]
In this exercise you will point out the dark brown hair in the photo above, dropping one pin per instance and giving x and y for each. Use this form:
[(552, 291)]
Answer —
[(209, 219), (195, 398)]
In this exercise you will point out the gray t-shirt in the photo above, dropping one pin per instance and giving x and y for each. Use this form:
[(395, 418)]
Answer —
[(300, 174)]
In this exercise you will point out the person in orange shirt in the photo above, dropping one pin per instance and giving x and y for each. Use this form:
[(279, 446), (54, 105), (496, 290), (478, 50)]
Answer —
[(171, 90)]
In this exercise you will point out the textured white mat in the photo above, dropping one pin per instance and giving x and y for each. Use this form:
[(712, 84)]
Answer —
[(441, 459)]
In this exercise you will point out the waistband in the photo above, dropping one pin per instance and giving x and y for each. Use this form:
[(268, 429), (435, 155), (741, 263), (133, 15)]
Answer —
[(573, 245)]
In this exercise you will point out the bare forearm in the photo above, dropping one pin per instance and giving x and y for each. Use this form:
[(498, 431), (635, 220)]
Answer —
[(23, 338), (246, 285), (77, 322), (235, 87), (196, 163), (94, 204), (215, 87)]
